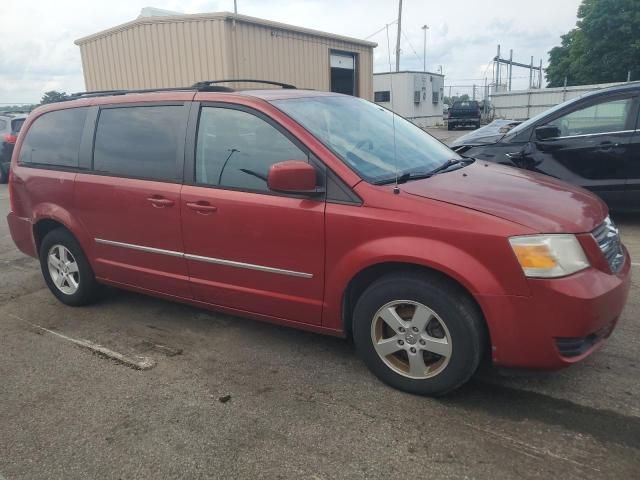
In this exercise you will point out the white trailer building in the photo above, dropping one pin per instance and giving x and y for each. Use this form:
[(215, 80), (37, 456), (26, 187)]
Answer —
[(416, 96)]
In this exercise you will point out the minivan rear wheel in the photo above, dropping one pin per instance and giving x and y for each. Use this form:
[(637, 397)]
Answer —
[(66, 270), (420, 334)]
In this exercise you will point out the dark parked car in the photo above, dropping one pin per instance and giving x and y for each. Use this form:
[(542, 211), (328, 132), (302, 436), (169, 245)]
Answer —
[(592, 141), (464, 113), (10, 124)]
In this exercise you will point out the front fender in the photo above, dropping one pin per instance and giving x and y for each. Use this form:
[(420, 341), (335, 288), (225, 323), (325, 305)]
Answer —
[(459, 264)]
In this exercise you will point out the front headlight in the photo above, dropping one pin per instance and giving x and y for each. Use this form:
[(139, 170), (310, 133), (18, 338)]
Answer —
[(549, 256)]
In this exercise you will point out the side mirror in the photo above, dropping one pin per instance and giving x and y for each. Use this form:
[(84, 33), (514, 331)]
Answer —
[(546, 132), (293, 176)]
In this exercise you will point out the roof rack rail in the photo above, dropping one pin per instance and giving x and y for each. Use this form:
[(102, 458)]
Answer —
[(104, 93), (205, 85)]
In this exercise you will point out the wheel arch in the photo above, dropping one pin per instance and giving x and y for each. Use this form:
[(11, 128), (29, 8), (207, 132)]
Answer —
[(50, 217), (366, 276), (43, 227)]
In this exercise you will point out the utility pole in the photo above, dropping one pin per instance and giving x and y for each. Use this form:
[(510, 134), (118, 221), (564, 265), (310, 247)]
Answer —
[(498, 69), (424, 50), (540, 77), (531, 74), (235, 6), (399, 31), (510, 67)]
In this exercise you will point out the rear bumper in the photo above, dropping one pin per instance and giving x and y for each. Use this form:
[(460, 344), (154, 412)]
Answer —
[(562, 322), (22, 234), (464, 121)]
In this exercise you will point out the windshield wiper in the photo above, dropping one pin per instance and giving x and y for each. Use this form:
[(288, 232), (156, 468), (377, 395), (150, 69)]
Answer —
[(405, 177), (445, 166)]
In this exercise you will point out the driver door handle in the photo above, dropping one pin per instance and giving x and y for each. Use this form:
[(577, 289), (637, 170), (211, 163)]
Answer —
[(607, 146), (202, 207)]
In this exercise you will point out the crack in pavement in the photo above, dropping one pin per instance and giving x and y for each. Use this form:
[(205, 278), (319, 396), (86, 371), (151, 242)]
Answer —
[(139, 363)]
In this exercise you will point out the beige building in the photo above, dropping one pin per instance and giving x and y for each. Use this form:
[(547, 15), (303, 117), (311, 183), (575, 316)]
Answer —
[(179, 50)]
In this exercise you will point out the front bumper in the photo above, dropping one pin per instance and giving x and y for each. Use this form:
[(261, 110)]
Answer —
[(22, 234), (562, 322)]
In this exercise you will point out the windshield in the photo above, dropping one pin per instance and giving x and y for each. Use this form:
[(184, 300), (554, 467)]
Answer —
[(532, 120), (361, 133)]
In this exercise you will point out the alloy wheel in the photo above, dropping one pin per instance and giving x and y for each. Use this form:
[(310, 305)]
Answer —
[(411, 339), (63, 269)]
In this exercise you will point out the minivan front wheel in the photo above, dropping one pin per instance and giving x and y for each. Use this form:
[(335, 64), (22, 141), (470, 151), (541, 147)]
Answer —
[(418, 334), (66, 270)]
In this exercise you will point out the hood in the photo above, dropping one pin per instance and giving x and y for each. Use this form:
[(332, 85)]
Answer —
[(490, 133), (539, 202)]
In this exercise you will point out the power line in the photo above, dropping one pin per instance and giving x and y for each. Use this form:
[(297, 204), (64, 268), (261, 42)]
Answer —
[(381, 30), (409, 42)]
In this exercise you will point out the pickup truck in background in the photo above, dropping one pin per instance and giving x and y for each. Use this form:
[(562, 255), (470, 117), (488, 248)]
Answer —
[(463, 113)]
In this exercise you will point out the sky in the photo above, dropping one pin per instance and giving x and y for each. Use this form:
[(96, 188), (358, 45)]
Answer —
[(37, 52)]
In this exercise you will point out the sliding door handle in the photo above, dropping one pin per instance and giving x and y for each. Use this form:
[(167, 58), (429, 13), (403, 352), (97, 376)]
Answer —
[(160, 202)]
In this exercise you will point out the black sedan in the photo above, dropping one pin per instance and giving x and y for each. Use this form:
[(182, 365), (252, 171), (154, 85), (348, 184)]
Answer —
[(592, 141)]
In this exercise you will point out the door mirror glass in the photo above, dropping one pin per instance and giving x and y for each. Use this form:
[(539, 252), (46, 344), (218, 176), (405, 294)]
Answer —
[(547, 131), (292, 176)]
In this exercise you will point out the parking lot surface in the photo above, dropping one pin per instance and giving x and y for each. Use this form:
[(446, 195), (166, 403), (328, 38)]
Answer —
[(234, 398)]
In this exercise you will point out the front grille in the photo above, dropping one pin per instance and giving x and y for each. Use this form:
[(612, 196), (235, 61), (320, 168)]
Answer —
[(576, 346), (608, 239)]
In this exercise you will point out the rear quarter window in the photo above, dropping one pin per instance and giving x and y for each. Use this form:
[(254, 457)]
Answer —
[(54, 138)]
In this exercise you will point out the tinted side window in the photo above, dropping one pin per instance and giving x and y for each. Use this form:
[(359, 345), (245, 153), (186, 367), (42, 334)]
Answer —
[(54, 138), (140, 142), (600, 118), (236, 149)]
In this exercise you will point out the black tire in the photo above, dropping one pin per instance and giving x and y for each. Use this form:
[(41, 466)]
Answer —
[(452, 305), (88, 288), (449, 126), (477, 125)]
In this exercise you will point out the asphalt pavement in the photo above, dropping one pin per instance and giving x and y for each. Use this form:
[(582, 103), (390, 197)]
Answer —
[(233, 398)]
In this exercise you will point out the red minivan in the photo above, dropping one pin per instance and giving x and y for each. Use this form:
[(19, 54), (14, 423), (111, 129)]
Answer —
[(323, 212)]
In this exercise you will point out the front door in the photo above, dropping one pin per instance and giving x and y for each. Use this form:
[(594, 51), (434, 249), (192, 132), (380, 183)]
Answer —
[(130, 203), (592, 147), (248, 248)]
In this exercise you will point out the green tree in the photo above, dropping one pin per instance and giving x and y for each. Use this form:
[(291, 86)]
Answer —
[(53, 96), (603, 47)]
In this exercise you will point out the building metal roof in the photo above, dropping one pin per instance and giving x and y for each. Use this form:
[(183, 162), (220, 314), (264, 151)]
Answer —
[(410, 71), (220, 16)]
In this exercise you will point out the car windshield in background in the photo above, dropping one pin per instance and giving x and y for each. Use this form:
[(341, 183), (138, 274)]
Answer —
[(362, 135)]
